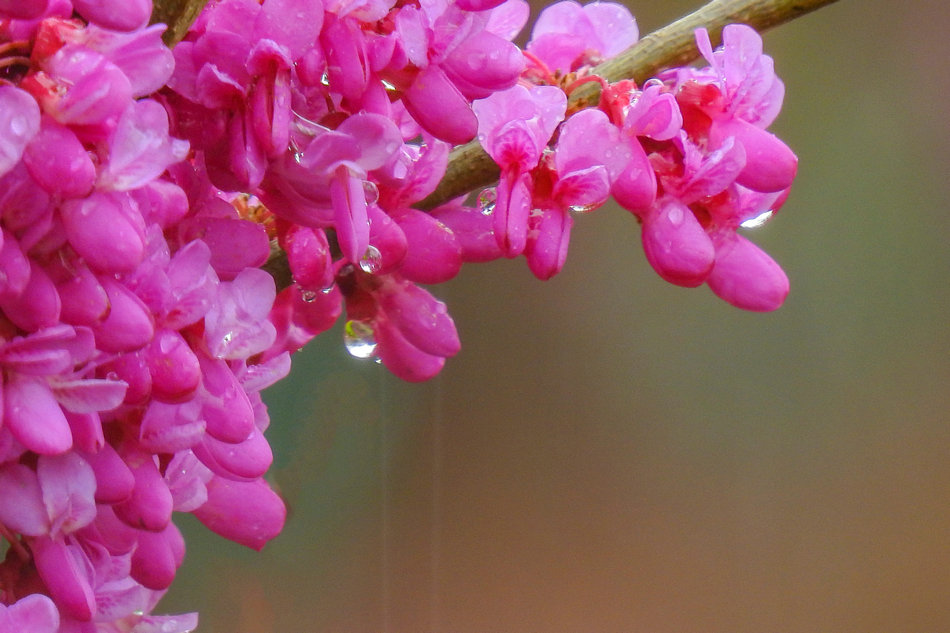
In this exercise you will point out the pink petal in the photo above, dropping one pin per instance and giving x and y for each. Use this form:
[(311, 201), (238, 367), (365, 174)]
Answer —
[(69, 485), (247, 460), (23, 510), (745, 276), (770, 165), (88, 395), (154, 559), (106, 231), (34, 613), (58, 162), (130, 324), (173, 366), (421, 318), (114, 479), (33, 415), (19, 123), (67, 574), (401, 357), (150, 506), (120, 15), (676, 245), (439, 107), (249, 513), (547, 252), (433, 254), (38, 306)]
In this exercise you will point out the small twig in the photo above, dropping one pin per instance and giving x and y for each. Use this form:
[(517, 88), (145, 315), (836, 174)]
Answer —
[(470, 168), (178, 15)]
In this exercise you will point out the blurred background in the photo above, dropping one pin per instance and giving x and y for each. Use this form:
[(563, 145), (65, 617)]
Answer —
[(612, 454)]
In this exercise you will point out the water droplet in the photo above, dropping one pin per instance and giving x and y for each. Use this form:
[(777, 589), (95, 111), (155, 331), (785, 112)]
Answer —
[(359, 339), (372, 260), (307, 295), (325, 79), (759, 220), (370, 192), (18, 125), (486, 200), (583, 208), (227, 338)]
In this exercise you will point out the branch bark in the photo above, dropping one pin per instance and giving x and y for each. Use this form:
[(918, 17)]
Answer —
[(470, 168), (178, 15)]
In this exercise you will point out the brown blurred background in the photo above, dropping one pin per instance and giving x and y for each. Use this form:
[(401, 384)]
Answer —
[(611, 454)]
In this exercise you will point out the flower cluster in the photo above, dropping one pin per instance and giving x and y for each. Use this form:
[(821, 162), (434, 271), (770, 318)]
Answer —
[(142, 188)]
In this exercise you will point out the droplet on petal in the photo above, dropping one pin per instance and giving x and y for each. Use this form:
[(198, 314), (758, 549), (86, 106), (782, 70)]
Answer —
[(372, 260)]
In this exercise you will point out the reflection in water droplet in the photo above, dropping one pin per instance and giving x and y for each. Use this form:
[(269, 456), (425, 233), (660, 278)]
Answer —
[(359, 339), (758, 220), (308, 296), (372, 260), (227, 338), (370, 192), (486, 200), (583, 208)]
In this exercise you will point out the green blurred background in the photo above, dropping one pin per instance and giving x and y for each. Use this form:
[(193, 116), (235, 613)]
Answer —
[(612, 454)]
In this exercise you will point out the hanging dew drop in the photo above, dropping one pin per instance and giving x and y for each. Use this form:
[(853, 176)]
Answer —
[(582, 208), (371, 261), (757, 221), (486, 200), (359, 339)]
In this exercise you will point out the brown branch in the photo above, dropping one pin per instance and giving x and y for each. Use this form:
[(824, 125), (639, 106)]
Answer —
[(178, 15), (470, 168)]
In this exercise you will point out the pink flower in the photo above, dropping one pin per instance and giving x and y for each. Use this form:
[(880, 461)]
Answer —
[(514, 127), (567, 36)]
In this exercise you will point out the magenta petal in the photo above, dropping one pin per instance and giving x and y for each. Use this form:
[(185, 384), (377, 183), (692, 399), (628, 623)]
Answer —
[(676, 245), (401, 357), (235, 244), (58, 162), (246, 512), (484, 63), (15, 267), (114, 480), (23, 510), (67, 574), (512, 209), (433, 255), (34, 613), (387, 237), (23, 9), (88, 395), (33, 415), (19, 123), (770, 165), (140, 148), (154, 562), (38, 306), (84, 300), (69, 485), (472, 230), (87, 431), (547, 252), (150, 506), (349, 214), (119, 15), (421, 318), (226, 407), (170, 428), (106, 231), (745, 276), (635, 188), (247, 460), (129, 325), (308, 253), (439, 107), (173, 366)]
